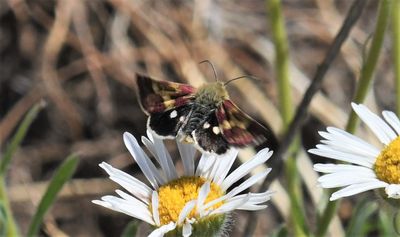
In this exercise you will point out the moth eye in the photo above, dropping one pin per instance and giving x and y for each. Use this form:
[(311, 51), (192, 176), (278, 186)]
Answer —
[(182, 118), (216, 130), (206, 125), (173, 114)]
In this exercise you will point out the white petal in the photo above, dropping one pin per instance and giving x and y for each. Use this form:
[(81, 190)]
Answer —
[(165, 158), (147, 167), (261, 157), (203, 193), (150, 146), (230, 206), (205, 165), (185, 211), (130, 183), (159, 232), (326, 151), (102, 203), (393, 191), (161, 154), (357, 188), (350, 149), (342, 179), (392, 119), (384, 133), (332, 168), (225, 164), (154, 208), (337, 136), (121, 205), (130, 199), (187, 229), (249, 182), (200, 165), (254, 198), (251, 207), (214, 169), (187, 152)]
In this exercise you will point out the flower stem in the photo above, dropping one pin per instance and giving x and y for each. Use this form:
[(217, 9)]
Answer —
[(396, 50), (285, 99), (11, 227), (367, 72)]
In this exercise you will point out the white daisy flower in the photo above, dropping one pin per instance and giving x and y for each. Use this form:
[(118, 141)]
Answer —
[(193, 204), (371, 167)]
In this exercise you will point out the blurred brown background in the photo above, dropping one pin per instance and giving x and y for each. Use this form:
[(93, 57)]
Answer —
[(81, 57)]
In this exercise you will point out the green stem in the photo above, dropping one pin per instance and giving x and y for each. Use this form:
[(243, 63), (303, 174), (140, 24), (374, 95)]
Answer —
[(286, 107), (366, 75), (368, 68), (295, 193), (281, 59), (396, 220), (11, 227), (396, 50)]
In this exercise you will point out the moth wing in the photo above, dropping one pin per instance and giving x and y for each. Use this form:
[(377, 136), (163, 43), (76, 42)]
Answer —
[(209, 138), (166, 124), (158, 96), (238, 128)]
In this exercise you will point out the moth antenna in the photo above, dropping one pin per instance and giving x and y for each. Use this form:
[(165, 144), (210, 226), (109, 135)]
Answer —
[(237, 78), (213, 68)]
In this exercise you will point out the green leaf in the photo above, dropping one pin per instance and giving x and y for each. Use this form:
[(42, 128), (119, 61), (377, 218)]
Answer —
[(130, 229), (62, 175), (358, 225), (3, 220), (19, 136)]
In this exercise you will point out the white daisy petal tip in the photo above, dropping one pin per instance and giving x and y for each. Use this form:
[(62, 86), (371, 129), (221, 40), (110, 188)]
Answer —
[(161, 231), (393, 191), (187, 229), (353, 105)]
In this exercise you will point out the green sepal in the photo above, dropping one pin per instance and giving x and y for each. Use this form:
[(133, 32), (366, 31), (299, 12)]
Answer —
[(208, 226)]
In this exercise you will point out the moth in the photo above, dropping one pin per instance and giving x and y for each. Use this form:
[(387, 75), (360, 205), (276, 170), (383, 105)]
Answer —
[(203, 116)]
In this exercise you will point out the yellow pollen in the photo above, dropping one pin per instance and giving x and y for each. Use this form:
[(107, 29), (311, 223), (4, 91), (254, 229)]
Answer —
[(172, 197), (387, 165)]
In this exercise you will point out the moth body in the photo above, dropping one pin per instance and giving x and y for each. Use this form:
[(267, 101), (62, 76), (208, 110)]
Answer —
[(212, 94), (196, 119), (204, 116)]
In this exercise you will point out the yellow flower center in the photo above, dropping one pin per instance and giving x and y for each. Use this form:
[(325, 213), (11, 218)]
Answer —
[(387, 165), (173, 196)]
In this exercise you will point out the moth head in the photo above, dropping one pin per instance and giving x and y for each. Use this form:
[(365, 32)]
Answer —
[(212, 93)]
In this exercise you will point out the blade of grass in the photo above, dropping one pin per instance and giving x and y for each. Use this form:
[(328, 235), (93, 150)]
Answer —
[(366, 75), (19, 136), (396, 50), (130, 229), (396, 221), (385, 223), (3, 220), (62, 175), (11, 228), (359, 219)]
